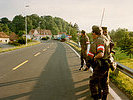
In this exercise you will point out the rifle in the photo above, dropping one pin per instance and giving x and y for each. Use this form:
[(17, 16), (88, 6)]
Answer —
[(102, 17)]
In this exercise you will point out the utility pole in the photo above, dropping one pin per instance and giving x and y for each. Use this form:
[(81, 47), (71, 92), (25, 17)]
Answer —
[(26, 25), (69, 27)]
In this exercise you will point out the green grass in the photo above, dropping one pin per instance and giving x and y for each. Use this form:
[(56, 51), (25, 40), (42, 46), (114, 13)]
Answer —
[(123, 58), (123, 82), (18, 47)]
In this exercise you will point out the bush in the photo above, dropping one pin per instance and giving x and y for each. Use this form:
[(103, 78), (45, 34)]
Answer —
[(29, 40), (22, 40), (45, 38), (14, 43)]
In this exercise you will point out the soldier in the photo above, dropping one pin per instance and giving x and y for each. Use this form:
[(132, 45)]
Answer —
[(98, 51), (108, 39), (84, 41)]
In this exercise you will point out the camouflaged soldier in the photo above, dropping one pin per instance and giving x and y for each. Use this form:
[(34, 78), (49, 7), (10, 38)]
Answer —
[(108, 39), (98, 51), (84, 40)]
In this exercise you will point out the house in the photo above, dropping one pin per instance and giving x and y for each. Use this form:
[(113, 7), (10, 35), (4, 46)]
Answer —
[(37, 33), (4, 38), (13, 37), (46, 33), (33, 34)]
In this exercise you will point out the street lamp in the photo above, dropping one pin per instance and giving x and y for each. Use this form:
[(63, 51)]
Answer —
[(26, 25), (39, 27)]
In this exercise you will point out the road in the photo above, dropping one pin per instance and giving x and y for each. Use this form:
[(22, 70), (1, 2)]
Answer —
[(47, 71)]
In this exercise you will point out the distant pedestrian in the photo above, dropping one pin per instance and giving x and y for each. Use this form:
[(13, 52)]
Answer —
[(84, 41)]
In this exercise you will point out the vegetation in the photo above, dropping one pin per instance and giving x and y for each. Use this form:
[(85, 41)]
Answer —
[(18, 47), (124, 40), (45, 38), (55, 24), (123, 82)]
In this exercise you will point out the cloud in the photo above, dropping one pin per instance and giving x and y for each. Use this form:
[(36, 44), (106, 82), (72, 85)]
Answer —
[(118, 13)]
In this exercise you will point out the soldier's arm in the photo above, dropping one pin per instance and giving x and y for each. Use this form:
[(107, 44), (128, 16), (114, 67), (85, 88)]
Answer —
[(99, 55), (100, 50), (87, 40)]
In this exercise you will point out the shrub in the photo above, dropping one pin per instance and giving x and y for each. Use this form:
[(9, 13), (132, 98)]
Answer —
[(22, 40)]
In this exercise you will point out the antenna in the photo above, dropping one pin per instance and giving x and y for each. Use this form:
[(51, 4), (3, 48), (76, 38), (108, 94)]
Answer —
[(102, 17)]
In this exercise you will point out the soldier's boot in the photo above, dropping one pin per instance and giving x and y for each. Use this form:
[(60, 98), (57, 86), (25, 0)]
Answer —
[(99, 93), (86, 69), (100, 96), (104, 97), (80, 67), (95, 97)]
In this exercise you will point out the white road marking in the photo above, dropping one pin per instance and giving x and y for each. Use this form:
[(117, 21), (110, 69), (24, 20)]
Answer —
[(37, 54)]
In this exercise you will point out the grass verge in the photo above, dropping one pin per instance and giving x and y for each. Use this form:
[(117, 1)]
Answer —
[(123, 82), (18, 47)]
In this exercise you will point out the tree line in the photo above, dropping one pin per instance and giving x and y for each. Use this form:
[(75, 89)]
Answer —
[(123, 39), (55, 24)]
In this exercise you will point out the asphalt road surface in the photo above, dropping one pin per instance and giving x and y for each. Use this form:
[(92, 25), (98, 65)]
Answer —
[(48, 71)]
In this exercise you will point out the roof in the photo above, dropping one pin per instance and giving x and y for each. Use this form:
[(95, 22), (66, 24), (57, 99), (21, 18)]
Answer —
[(13, 36), (62, 33), (47, 32), (3, 35), (41, 32), (31, 32)]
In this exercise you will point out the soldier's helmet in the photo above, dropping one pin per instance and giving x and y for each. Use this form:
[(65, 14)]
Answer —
[(83, 31), (104, 28), (97, 30)]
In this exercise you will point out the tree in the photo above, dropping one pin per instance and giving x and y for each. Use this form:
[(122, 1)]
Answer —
[(19, 23), (58, 22), (126, 44), (51, 25), (5, 20), (29, 24), (4, 28), (76, 27), (35, 20)]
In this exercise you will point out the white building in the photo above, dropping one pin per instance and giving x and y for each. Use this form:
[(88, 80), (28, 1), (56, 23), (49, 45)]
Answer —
[(4, 38), (38, 34)]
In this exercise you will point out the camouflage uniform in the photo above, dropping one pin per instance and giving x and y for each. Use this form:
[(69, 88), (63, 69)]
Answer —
[(108, 39), (84, 40), (100, 78)]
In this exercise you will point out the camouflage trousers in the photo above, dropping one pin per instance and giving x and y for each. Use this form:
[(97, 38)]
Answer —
[(84, 57), (99, 83)]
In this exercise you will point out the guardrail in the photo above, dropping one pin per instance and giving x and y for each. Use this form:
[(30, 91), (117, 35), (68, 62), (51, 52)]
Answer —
[(124, 69)]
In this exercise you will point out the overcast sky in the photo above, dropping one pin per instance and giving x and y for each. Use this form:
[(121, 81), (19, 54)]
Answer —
[(118, 13)]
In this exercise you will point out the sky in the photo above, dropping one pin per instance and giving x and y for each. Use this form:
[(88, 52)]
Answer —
[(86, 13)]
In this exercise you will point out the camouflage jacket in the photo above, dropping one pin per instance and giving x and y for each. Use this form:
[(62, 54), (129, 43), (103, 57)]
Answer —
[(99, 45), (84, 40)]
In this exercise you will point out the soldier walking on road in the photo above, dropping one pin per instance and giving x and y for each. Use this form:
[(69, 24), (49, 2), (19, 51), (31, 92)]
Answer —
[(100, 78), (84, 41)]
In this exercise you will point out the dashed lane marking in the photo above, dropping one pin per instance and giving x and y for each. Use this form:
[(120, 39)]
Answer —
[(44, 49), (37, 54), (20, 65)]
